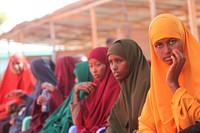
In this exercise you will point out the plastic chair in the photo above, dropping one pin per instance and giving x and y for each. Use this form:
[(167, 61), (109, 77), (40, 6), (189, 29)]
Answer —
[(25, 123), (101, 130), (72, 129)]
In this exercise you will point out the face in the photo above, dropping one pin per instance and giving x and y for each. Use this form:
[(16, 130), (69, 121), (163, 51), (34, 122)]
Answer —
[(164, 48), (118, 66), (17, 66), (97, 69)]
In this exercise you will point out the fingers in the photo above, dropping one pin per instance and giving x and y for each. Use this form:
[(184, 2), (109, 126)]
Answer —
[(90, 86), (174, 71), (48, 86), (87, 86), (179, 56), (41, 99), (15, 93), (11, 93)]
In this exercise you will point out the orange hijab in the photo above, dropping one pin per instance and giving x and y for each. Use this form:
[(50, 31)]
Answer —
[(12, 81), (170, 26)]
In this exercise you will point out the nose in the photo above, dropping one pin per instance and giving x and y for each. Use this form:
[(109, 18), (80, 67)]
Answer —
[(16, 67), (114, 66), (93, 70), (167, 49)]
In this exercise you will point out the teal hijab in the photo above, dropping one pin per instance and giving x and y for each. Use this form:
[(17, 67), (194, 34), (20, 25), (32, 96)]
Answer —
[(61, 120)]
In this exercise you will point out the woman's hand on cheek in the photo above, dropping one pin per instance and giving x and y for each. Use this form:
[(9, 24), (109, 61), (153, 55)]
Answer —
[(174, 71)]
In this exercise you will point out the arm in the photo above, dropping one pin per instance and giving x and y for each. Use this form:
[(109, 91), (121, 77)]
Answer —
[(89, 87), (75, 105), (22, 95), (175, 68), (146, 120), (186, 109)]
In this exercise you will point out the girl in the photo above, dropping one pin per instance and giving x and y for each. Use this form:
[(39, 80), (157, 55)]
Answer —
[(131, 69), (91, 113)]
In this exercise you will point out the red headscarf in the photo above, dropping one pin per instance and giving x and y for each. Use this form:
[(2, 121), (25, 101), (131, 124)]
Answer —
[(64, 70), (95, 108), (66, 79), (11, 81)]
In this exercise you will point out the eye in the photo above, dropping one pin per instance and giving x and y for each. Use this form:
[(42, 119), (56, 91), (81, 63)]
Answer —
[(158, 45), (118, 60), (172, 41), (97, 64), (110, 61), (90, 66)]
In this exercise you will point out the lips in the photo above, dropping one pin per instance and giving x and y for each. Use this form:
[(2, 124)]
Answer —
[(116, 74), (168, 58), (95, 76)]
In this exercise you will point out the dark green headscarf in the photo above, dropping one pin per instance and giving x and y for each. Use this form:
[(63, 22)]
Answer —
[(61, 120), (126, 110)]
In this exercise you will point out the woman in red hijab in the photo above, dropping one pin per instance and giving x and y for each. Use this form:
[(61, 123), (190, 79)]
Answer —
[(92, 112), (64, 70), (17, 76)]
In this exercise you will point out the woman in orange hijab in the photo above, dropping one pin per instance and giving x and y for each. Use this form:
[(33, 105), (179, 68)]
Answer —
[(172, 102)]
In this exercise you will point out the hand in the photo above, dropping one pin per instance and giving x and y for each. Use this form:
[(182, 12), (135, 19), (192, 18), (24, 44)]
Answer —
[(15, 93), (48, 86), (11, 107), (174, 71), (41, 99), (87, 86)]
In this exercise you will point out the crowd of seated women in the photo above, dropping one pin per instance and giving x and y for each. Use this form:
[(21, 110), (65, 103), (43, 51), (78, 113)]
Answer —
[(117, 90)]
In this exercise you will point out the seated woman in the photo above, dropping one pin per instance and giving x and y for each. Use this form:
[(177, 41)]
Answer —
[(17, 76), (64, 71), (92, 112), (131, 69), (43, 71), (61, 119), (173, 100)]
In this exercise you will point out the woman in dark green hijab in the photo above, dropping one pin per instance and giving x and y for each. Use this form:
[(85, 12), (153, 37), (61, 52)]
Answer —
[(61, 120), (131, 69)]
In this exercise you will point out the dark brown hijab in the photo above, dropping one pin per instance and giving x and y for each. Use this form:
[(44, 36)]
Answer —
[(126, 110)]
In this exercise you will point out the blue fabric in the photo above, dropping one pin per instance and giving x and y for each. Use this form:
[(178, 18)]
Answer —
[(72, 129), (101, 130)]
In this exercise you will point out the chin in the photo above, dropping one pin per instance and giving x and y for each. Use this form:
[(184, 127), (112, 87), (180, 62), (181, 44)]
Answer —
[(119, 79), (169, 62)]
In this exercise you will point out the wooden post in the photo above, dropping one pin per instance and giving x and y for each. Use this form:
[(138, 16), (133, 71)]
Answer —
[(93, 27), (193, 18), (52, 35), (152, 5)]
